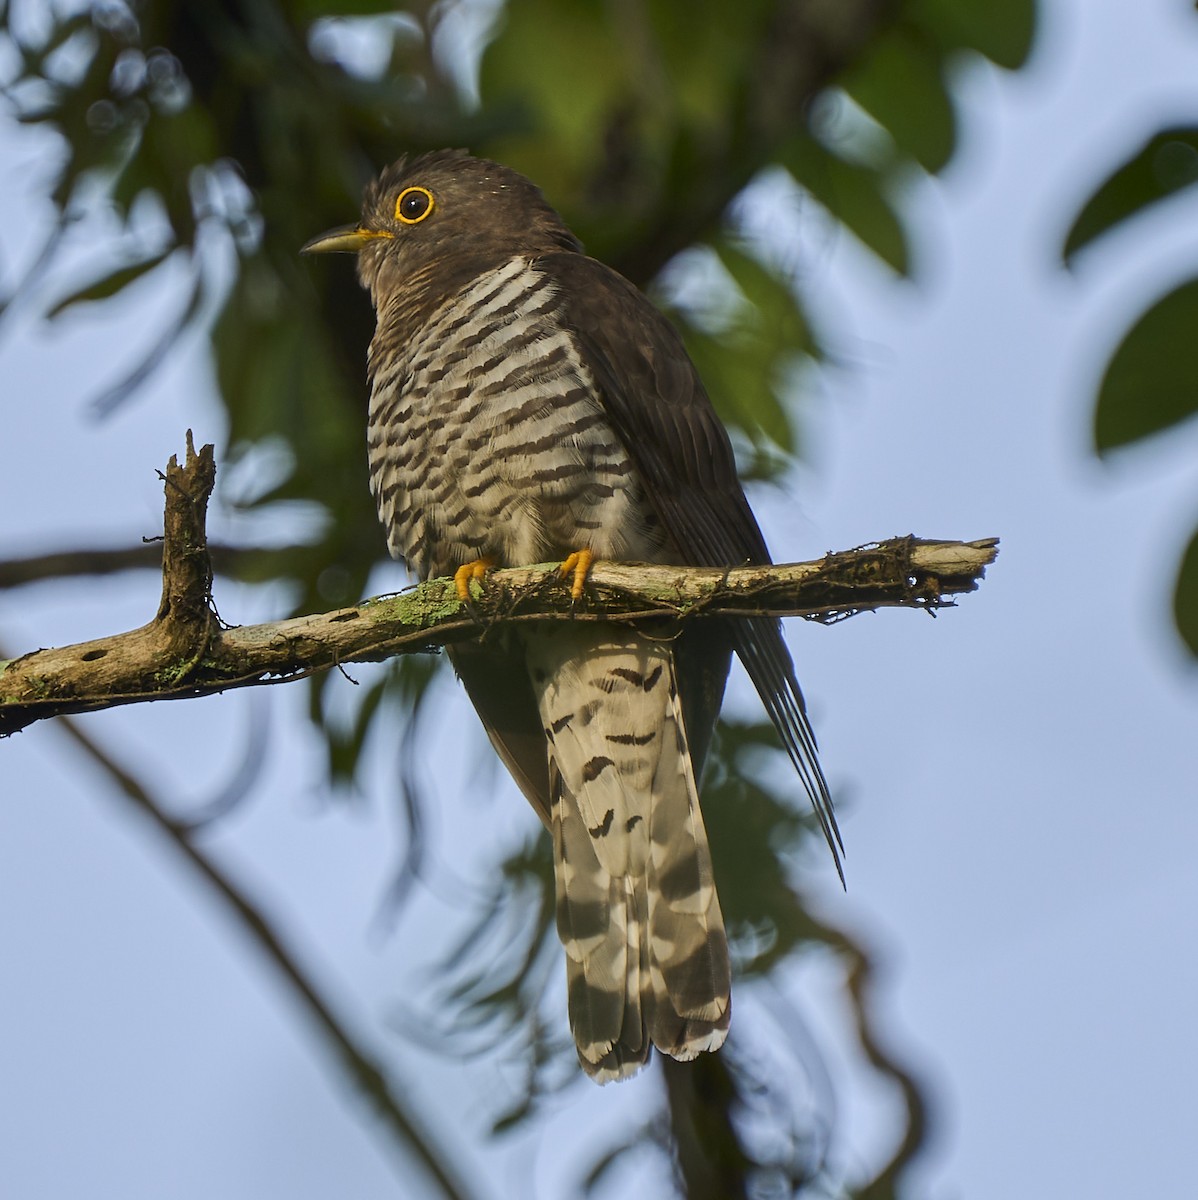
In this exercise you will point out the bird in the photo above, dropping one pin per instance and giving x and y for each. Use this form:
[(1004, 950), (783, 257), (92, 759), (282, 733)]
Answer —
[(528, 404)]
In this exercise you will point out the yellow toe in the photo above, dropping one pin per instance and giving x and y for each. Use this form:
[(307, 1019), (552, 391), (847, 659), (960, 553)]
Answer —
[(579, 565), (468, 572)]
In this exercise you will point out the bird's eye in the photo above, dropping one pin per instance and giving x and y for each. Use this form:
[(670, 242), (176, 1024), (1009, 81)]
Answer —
[(413, 205)]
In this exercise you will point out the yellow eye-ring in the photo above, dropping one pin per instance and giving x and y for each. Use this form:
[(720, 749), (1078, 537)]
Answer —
[(413, 205)]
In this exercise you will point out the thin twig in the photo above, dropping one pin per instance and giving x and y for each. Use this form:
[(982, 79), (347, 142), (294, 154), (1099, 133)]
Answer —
[(862, 985)]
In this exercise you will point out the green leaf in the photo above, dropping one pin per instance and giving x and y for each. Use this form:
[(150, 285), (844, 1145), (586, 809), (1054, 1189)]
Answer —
[(1165, 164), (855, 195), (901, 85), (777, 319), (276, 371), (744, 366), (560, 63), (1003, 33), (1151, 382), (704, 50), (108, 285), (1185, 597)]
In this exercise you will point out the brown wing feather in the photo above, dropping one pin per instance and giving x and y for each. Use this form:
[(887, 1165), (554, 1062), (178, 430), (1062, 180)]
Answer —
[(656, 401), (496, 680)]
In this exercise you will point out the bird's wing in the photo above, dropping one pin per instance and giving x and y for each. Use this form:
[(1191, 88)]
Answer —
[(496, 680), (657, 404)]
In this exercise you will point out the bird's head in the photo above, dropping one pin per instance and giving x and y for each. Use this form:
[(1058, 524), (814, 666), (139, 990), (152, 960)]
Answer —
[(440, 216)]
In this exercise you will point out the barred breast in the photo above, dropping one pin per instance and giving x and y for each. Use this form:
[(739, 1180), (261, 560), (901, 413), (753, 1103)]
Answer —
[(487, 437)]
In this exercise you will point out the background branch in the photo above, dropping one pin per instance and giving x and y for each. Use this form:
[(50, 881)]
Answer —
[(236, 561), (185, 651), (392, 1108)]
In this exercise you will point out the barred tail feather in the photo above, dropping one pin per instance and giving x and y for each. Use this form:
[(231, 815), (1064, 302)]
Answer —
[(688, 948), (603, 935), (637, 912)]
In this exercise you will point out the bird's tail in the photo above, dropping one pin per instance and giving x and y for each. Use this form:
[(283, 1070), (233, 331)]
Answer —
[(637, 911)]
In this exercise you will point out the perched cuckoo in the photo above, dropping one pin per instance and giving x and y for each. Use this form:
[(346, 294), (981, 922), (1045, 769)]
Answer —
[(527, 405)]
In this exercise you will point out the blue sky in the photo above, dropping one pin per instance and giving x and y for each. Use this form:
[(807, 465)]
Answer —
[(1019, 775)]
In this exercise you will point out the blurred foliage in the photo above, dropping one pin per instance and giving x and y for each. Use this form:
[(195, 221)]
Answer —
[(1150, 385), (1165, 164), (1185, 596), (222, 134), (1147, 388)]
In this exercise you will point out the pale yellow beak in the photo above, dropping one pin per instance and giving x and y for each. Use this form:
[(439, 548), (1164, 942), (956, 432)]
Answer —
[(348, 238)]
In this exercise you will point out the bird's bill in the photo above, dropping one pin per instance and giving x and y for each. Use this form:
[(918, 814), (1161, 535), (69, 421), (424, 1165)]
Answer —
[(348, 238)]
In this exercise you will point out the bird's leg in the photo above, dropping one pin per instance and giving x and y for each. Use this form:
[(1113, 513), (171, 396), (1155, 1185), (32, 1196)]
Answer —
[(578, 564), (475, 569)]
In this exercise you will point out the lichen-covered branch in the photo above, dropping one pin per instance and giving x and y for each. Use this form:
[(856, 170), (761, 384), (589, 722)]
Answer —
[(186, 650)]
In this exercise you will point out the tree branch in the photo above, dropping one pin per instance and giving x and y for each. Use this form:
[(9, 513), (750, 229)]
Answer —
[(236, 561), (186, 650)]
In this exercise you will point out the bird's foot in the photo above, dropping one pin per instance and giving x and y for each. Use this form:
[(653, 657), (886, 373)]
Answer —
[(578, 564), (468, 572)]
